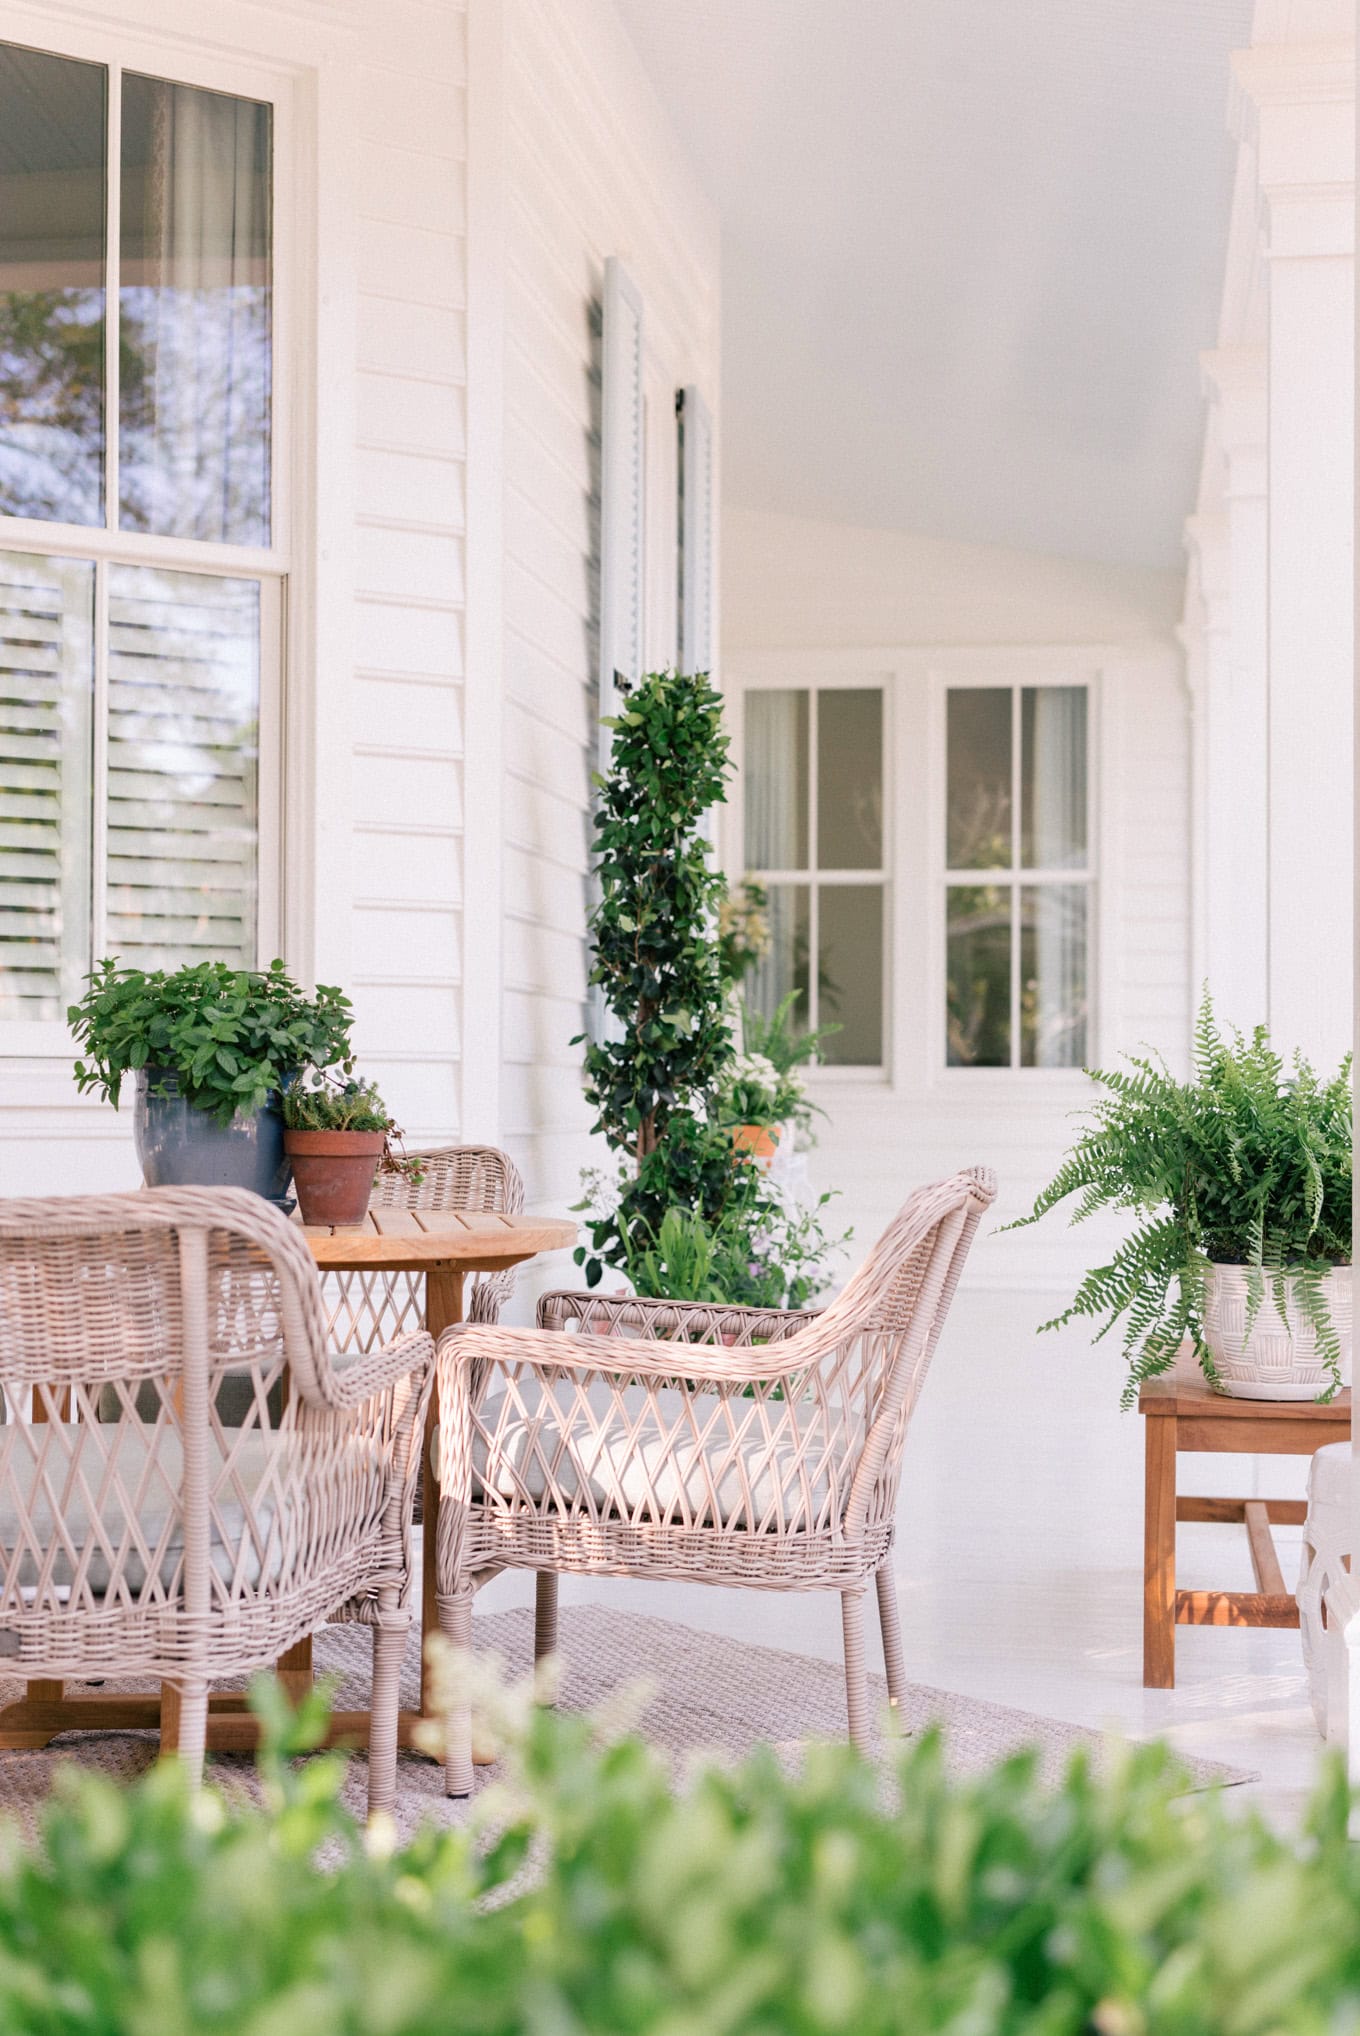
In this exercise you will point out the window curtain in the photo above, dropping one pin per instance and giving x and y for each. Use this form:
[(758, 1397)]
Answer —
[(1056, 826), (196, 308)]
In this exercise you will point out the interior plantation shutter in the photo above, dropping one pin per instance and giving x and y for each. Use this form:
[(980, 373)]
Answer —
[(46, 697), (183, 756), (696, 531), (621, 490)]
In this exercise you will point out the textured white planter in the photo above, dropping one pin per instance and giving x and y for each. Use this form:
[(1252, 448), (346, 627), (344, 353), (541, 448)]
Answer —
[(1278, 1361)]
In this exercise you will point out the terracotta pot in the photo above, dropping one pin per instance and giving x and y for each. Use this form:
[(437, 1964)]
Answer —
[(759, 1140), (333, 1173)]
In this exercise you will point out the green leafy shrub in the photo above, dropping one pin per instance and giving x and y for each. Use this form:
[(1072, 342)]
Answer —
[(656, 963), (589, 1897), (230, 1037), (1248, 1163)]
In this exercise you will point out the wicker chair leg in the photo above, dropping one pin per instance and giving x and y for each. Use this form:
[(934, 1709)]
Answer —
[(891, 1626), (455, 1623), (856, 1681), (545, 1614), (184, 1724), (389, 1646)]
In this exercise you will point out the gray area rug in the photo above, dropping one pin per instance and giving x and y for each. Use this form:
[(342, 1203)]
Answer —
[(708, 1694)]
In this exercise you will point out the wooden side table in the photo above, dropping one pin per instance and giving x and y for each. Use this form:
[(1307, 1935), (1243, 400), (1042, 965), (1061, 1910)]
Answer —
[(1184, 1413)]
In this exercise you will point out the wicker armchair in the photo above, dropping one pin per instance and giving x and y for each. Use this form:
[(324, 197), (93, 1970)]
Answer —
[(367, 1309), (140, 1534), (715, 1445)]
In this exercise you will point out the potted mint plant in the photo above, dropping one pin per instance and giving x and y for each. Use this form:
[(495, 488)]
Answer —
[(211, 1050)]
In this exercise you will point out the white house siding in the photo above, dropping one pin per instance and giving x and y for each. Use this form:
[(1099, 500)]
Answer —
[(805, 600), (370, 278), (591, 171)]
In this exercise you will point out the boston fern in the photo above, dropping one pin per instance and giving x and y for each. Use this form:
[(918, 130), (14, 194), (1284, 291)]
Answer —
[(1248, 1164)]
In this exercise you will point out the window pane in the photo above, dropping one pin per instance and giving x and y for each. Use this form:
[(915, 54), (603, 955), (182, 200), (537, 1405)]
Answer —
[(979, 774), (1053, 777), (785, 966), (978, 975), (195, 299), (850, 779), (52, 150), (850, 972), (46, 695), (776, 786), (1053, 975), (184, 694)]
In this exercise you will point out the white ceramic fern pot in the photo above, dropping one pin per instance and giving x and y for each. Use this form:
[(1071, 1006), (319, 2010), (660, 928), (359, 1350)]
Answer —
[(1279, 1360)]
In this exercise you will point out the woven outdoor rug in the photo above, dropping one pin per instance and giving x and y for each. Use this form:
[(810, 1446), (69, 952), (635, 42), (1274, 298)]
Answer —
[(709, 1693)]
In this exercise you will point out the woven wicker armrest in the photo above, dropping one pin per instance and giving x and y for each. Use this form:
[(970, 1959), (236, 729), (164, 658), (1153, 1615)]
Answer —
[(676, 1321), (354, 1380), (548, 1351)]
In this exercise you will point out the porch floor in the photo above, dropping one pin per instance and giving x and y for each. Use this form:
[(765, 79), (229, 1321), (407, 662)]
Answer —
[(1019, 1559)]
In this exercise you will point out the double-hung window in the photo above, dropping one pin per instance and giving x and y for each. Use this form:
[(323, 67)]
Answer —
[(140, 570), (1018, 879), (812, 789)]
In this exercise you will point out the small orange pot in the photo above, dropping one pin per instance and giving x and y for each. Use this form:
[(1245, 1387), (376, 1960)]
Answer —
[(333, 1173), (757, 1139)]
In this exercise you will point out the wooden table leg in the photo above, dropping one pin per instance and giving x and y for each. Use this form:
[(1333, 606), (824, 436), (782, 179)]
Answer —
[(294, 1669), (443, 1307), (1159, 1554)]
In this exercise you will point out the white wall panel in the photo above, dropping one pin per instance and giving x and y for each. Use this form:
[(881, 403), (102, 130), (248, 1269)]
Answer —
[(593, 171)]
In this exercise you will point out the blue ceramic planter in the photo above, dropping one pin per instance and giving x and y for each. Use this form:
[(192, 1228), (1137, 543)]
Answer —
[(179, 1146)]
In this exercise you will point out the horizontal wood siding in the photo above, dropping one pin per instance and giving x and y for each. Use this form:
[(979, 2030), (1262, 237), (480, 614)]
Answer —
[(410, 429), (590, 173)]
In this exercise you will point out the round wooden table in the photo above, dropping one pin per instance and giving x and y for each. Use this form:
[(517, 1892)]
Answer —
[(446, 1246)]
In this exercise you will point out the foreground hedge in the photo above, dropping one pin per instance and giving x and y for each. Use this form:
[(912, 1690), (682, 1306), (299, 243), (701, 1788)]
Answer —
[(751, 1903)]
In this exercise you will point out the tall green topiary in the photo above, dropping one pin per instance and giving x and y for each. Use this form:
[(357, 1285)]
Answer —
[(656, 963)]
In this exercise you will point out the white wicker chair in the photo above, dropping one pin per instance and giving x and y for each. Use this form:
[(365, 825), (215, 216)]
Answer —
[(769, 1456), (142, 1536)]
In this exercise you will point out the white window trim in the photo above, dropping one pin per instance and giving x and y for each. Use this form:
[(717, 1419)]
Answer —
[(1010, 670), (274, 566), (800, 675)]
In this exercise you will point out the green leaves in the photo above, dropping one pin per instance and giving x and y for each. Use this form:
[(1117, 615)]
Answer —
[(1249, 1163), (595, 1892), (230, 1037)]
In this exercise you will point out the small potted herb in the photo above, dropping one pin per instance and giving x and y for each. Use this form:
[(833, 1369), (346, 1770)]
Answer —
[(211, 1050), (336, 1135)]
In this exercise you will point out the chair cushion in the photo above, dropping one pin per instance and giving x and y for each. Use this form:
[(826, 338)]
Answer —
[(128, 1476), (657, 1454)]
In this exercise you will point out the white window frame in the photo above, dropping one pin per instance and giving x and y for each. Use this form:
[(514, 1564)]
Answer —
[(798, 676), (106, 545), (1013, 676)]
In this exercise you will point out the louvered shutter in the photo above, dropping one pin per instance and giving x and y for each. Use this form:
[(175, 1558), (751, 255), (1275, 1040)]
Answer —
[(183, 756), (696, 532), (46, 693), (621, 490)]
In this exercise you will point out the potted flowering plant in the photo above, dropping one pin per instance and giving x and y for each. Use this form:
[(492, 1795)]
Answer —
[(337, 1134), (754, 1100)]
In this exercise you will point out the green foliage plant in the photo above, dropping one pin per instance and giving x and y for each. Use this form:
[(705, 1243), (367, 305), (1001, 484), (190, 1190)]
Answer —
[(656, 964), (1246, 1164), (320, 1102), (743, 929), (590, 1892), (231, 1038)]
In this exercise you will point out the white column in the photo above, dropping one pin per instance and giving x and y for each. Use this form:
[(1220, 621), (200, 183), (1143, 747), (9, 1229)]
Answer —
[(1301, 101), (1233, 569), (1209, 669)]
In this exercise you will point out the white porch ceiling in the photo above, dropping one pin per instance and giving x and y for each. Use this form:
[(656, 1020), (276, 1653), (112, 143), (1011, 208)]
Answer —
[(971, 250)]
